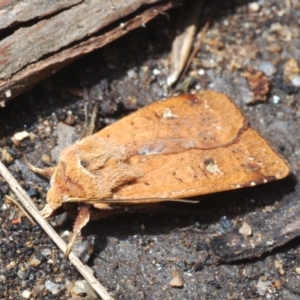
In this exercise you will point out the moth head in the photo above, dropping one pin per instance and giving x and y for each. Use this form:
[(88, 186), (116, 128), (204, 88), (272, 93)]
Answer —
[(55, 195), (54, 201)]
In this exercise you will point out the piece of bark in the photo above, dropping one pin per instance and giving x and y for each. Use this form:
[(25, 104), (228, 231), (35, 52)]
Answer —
[(33, 52), (270, 229), (15, 11)]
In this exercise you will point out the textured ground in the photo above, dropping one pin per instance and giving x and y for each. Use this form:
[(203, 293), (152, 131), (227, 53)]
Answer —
[(136, 254)]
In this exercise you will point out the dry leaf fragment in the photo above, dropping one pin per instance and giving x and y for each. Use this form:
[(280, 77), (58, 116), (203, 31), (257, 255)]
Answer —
[(260, 86)]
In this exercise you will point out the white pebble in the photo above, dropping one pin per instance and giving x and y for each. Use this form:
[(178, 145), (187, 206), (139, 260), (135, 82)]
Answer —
[(267, 68), (254, 6), (26, 294), (53, 288), (201, 72), (245, 229), (156, 72), (46, 252), (295, 80), (263, 286), (276, 99), (82, 287)]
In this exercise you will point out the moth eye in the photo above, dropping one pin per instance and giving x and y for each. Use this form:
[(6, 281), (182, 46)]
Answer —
[(208, 161), (84, 163)]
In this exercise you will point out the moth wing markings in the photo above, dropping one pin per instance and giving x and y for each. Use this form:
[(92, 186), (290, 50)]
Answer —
[(200, 123), (227, 133), (186, 174)]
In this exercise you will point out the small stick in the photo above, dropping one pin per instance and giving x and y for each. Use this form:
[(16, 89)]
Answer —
[(31, 208), (15, 202), (195, 50), (183, 42)]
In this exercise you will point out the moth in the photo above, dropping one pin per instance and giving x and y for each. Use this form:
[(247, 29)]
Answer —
[(172, 149)]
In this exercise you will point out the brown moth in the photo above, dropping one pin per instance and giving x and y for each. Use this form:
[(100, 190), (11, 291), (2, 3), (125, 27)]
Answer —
[(180, 147)]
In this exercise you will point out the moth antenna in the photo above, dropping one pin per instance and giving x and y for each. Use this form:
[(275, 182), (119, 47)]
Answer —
[(89, 126), (128, 201), (149, 200), (86, 118), (47, 172), (81, 220)]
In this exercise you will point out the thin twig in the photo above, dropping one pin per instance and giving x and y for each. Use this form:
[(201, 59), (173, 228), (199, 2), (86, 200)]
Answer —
[(31, 209), (195, 50), (183, 43), (15, 202)]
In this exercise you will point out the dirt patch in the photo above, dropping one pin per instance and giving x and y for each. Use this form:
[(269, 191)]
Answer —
[(136, 255)]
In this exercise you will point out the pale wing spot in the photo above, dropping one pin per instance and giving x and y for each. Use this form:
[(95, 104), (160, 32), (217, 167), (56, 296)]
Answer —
[(168, 114), (185, 174), (212, 167)]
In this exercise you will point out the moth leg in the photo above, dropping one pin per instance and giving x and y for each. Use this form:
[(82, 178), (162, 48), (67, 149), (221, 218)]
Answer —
[(81, 220), (89, 127), (48, 172)]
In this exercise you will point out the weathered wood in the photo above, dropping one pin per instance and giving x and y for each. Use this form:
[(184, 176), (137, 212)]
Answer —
[(13, 12), (32, 53)]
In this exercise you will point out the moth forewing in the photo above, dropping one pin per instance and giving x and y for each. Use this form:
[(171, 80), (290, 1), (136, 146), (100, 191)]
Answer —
[(176, 148)]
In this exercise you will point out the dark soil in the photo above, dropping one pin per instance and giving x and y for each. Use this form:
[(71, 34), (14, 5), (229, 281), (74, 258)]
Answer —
[(135, 254)]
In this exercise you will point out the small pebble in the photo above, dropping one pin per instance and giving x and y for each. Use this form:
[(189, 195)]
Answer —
[(245, 229), (274, 48), (19, 136), (279, 267), (81, 287), (254, 6), (6, 156), (277, 284), (83, 250), (32, 136), (70, 119), (46, 159), (26, 294), (156, 72), (34, 261), (263, 286), (46, 252), (177, 280), (267, 68), (276, 99), (53, 288), (8, 93), (297, 270), (295, 80), (291, 68), (21, 274)]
